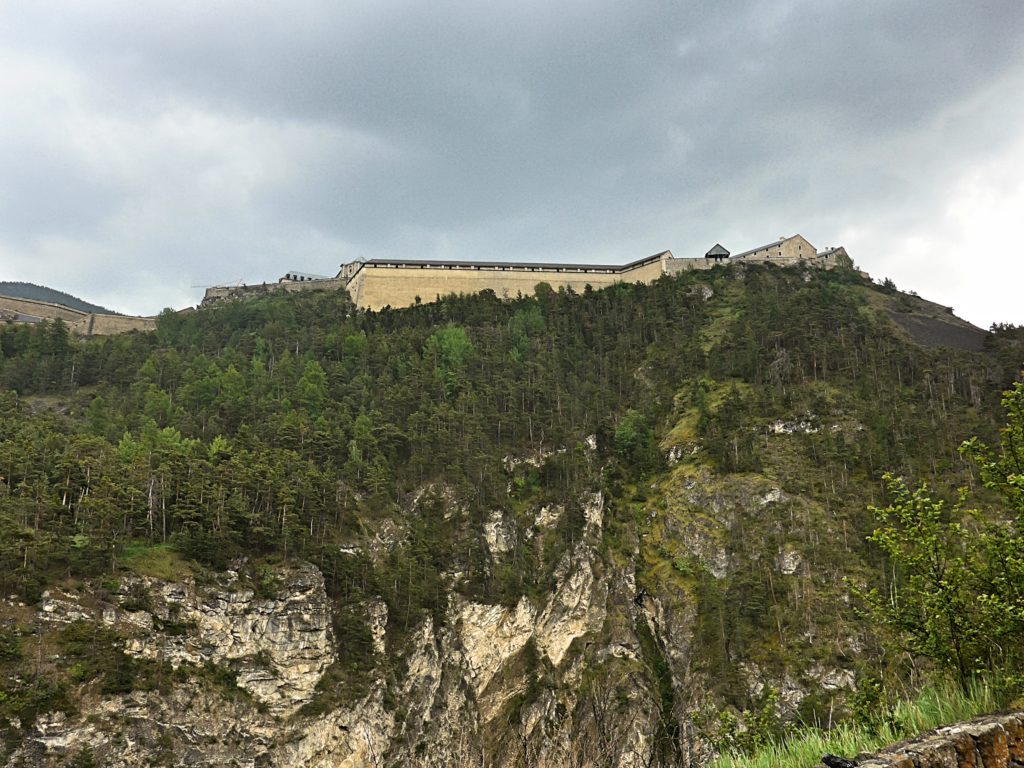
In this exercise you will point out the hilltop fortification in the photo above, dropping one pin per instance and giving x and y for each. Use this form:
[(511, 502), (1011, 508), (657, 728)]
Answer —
[(379, 283), (30, 311)]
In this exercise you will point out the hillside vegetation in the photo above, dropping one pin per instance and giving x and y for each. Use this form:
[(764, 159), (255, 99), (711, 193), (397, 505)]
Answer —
[(737, 424)]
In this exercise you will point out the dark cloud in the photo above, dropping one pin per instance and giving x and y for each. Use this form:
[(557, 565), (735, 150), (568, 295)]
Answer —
[(189, 144)]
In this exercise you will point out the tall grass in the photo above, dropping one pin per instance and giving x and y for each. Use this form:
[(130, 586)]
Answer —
[(935, 705), (160, 561)]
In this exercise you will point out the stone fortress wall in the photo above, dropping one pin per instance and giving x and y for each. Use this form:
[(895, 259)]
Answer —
[(28, 308), (233, 292), (377, 284), (108, 325), (380, 283), (78, 322)]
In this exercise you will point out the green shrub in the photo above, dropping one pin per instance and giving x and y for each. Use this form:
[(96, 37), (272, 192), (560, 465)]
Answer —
[(10, 645)]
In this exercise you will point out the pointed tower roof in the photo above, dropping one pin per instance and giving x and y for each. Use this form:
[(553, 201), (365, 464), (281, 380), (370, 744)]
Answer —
[(717, 252)]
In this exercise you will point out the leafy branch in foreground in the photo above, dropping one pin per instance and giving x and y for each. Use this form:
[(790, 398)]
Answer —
[(957, 596), (933, 603)]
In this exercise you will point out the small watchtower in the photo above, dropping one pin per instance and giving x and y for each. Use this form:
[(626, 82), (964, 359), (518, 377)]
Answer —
[(717, 252)]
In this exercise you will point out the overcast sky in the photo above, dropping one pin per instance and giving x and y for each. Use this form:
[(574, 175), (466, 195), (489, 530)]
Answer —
[(147, 148)]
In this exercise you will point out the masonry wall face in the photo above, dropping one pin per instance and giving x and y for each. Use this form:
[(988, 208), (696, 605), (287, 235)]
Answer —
[(375, 287), (790, 250), (41, 309), (108, 325), (231, 292), (988, 742), (675, 266), (82, 323)]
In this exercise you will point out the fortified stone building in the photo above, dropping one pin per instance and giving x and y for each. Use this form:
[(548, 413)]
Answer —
[(378, 283)]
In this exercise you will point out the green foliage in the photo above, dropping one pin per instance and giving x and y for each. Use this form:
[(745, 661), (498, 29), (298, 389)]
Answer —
[(934, 606), (450, 349), (84, 758), (525, 324), (761, 727), (95, 653), (10, 645), (1003, 470), (958, 597), (161, 561), (870, 708), (635, 444), (935, 705), (26, 700), (265, 582), (729, 434), (294, 426), (312, 390)]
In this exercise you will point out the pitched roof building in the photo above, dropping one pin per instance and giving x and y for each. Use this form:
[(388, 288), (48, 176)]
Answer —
[(785, 248)]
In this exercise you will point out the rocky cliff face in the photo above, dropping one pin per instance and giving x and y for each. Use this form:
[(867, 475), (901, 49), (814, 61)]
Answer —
[(601, 670), (539, 683), (266, 655)]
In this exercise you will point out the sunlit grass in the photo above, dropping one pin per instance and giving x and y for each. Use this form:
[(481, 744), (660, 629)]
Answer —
[(159, 561), (934, 706)]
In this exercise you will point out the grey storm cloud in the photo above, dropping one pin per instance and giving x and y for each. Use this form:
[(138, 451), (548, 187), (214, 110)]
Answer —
[(146, 148)]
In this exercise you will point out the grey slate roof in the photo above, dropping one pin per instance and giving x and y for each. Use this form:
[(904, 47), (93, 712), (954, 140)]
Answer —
[(776, 244), (717, 250)]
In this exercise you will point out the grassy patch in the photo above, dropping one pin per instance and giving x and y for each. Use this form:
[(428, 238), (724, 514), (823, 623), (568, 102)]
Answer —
[(159, 561), (935, 706), (720, 323)]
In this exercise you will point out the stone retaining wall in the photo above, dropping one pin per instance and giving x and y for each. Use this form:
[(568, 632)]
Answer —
[(376, 286), (108, 325), (219, 293), (989, 742), (78, 322), (41, 309)]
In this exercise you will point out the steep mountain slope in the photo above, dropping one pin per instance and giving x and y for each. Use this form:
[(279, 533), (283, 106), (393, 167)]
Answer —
[(18, 290), (566, 530)]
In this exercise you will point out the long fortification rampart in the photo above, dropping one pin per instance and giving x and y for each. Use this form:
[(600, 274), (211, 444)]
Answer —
[(380, 283), (401, 284), (78, 322), (41, 309)]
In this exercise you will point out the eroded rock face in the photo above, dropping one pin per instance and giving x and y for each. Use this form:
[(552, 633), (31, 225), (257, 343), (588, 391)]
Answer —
[(498, 534), (281, 644), (491, 634), (576, 608), (278, 646), (563, 678)]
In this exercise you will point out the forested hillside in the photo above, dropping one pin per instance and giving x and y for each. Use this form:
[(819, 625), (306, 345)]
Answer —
[(695, 458)]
